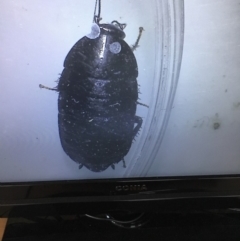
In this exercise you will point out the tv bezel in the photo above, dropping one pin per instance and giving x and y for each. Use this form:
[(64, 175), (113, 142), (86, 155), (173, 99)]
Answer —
[(135, 194)]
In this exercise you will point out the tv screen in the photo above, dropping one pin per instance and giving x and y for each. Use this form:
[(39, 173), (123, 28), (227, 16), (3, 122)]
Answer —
[(100, 90)]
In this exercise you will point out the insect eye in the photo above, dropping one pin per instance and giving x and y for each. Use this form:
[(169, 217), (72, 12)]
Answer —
[(115, 47)]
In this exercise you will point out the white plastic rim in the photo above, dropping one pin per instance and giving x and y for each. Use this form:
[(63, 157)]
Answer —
[(169, 37)]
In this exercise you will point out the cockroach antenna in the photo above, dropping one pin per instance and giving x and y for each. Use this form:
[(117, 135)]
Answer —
[(97, 18)]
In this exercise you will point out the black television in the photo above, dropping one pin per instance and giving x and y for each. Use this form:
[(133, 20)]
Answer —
[(175, 144)]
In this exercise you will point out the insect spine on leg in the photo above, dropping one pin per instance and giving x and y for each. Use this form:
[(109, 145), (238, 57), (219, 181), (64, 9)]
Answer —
[(48, 88), (124, 163), (139, 103)]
